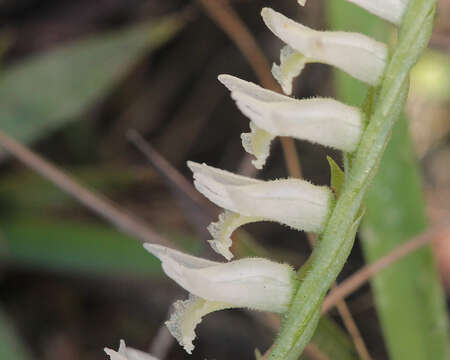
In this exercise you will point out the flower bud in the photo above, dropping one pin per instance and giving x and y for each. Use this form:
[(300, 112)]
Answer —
[(127, 353), (358, 55), (318, 120), (292, 202), (253, 283)]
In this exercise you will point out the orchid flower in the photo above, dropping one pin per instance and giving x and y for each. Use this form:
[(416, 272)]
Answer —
[(358, 55), (127, 353), (293, 202), (318, 120), (253, 283)]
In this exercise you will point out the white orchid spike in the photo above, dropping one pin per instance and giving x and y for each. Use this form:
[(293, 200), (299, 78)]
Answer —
[(253, 283), (391, 10), (292, 202), (127, 353), (358, 55), (318, 120)]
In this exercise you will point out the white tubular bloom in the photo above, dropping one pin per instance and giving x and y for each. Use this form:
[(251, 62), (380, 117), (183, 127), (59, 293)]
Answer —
[(254, 283), (391, 10), (127, 353), (292, 202), (318, 120), (358, 55)]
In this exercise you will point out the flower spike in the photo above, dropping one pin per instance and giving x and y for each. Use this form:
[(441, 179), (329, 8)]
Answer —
[(318, 120), (254, 283), (358, 55), (292, 202), (127, 353)]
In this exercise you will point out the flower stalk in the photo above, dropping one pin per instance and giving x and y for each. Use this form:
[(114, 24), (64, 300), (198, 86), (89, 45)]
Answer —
[(337, 240)]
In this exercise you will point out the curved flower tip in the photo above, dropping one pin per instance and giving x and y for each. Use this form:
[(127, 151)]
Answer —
[(257, 143), (127, 353), (319, 120), (187, 315), (222, 230), (360, 56), (291, 65), (292, 202), (254, 283), (391, 10)]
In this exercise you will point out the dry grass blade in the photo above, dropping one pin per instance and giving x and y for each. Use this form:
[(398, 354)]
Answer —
[(355, 281), (97, 203)]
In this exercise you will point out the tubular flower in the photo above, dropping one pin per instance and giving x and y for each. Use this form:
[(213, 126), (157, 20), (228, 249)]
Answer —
[(358, 55), (292, 202), (324, 121), (127, 353), (253, 283)]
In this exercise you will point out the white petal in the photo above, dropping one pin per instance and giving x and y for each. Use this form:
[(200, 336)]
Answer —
[(292, 202), (187, 315), (213, 182), (391, 10), (302, 2), (235, 84), (127, 353), (253, 282), (318, 120), (360, 56), (222, 230), (291, 65)]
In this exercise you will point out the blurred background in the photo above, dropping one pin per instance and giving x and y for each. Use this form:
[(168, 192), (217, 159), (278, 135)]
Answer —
[(75, 78)]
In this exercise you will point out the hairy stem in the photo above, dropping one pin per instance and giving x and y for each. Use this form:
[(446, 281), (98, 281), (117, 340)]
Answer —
[(336, 242)]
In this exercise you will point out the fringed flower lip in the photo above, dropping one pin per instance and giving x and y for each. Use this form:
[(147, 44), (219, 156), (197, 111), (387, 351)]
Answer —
[(319, 120), (127, 353), (292, 202), (253, 283), (358, 55)]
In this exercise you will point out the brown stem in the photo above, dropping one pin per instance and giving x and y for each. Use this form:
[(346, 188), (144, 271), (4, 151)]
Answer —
[(97, 203)]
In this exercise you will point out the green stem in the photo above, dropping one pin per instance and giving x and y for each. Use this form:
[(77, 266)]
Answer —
[(337, 240)]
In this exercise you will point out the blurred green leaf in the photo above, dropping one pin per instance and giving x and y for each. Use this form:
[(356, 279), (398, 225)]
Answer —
[(47, 91), (408, 295), (26, 191), (410, 301), (11, 348), (70, 246)]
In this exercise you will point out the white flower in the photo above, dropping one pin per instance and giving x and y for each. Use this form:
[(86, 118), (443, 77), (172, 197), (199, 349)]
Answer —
[(358, 55), (319, 120), (127, 353), (292, 202), (391, 10), (253, 283)]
